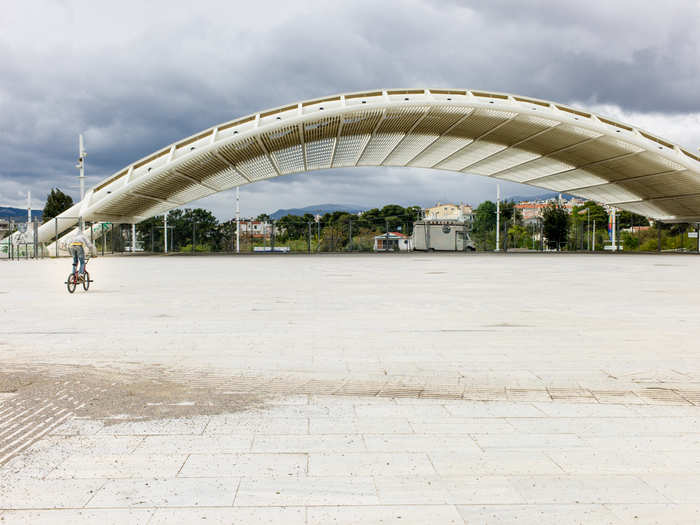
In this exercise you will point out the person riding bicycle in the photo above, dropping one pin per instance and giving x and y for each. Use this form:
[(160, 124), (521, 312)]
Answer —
[(77, 245)]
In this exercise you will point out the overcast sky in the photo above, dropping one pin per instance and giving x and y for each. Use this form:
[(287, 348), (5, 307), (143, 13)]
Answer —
[(136, 76)]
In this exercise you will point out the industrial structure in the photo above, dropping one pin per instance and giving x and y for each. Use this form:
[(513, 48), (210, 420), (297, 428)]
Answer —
[(508, 137)]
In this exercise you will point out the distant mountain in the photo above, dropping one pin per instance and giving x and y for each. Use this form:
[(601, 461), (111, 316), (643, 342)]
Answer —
[(540, 197), (317, 209), (17, 214)]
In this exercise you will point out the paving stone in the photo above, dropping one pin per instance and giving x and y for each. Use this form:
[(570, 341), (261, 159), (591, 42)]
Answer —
[(306, 491), (494, 409), (77, 516), (535, 441), (245, 424), (411, 490), (309, 443), (676, 488), (183, 426), (219, 465), (493, 462), (542, 515), (359, 426), (370, 464), (119, 466), (470, 490), (231, 516), (585, 489), (455, 425), (208, 444), (47, 493), (559, 409), (172, 492), (403, 514), (418, 442), (657, 514)]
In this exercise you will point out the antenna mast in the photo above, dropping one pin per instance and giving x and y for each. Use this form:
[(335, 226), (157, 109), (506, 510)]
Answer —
[(81, 165)]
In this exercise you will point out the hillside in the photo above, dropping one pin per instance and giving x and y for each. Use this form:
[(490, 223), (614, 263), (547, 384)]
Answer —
[(17, 214), (317, 209)]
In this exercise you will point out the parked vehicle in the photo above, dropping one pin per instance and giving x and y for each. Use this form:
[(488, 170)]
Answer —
[(442, 235)]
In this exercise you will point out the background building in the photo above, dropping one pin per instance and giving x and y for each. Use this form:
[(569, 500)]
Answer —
[(393, 242), (446, 211)]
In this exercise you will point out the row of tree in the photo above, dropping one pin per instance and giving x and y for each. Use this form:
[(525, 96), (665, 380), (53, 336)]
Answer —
[(342, 230), (331, 232)]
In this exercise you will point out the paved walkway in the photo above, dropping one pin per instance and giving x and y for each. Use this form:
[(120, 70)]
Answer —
[(341, 459), (483, 390)]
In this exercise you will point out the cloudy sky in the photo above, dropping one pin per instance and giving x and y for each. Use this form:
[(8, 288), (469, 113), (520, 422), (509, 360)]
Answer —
[(136, 76)]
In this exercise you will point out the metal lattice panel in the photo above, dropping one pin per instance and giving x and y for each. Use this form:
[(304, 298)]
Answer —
[(391, 131), (249, 158), (225, 179), (563, 136), (436, 122), (355, 134), (602, 148), (611, 192), (480, 122), (319, 142), (192, 193), (655, 186), (285, 147), (578, 178), (538, 168), (203, 166), (162, 186), (471, 154), (129, 205), (501, 161)]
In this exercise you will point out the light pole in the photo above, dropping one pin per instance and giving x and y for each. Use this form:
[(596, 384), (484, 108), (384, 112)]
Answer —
[(593, 234), (498, 217), (238, 221), (588, 230), (81, 165)]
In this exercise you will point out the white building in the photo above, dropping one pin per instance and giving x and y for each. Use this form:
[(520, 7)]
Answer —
[(393, 242), (446, 211)]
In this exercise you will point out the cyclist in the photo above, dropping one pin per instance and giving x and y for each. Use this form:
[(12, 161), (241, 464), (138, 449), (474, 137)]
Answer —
[(77, 245)]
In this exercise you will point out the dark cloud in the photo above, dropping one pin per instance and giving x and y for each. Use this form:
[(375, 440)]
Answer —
[(137, 76)]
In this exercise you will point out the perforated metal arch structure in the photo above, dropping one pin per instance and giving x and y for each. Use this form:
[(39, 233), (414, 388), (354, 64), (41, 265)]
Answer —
[(508, 137)]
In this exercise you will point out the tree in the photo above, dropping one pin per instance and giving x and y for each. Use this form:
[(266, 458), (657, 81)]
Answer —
[(56, 203), (508, 210), (485, 217), (627, 219), (555, 224)]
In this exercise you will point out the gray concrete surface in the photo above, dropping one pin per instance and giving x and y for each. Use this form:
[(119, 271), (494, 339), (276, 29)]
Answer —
[(391, 389)]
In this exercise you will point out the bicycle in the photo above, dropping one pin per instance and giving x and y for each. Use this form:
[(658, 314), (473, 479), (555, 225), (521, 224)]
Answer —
[(74, 278)]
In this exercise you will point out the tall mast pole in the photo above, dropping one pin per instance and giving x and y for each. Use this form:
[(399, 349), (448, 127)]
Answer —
[(81, 165), (29, 208), (498, 217), (238, 221)]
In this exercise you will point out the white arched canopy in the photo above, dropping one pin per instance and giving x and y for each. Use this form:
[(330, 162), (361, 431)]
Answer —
[(508, 137)]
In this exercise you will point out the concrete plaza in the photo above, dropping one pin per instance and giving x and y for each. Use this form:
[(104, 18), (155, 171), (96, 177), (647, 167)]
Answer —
[(515, 388)]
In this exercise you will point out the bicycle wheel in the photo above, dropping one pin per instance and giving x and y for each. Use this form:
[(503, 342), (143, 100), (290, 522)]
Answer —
[(70, 282), (86, 281)]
